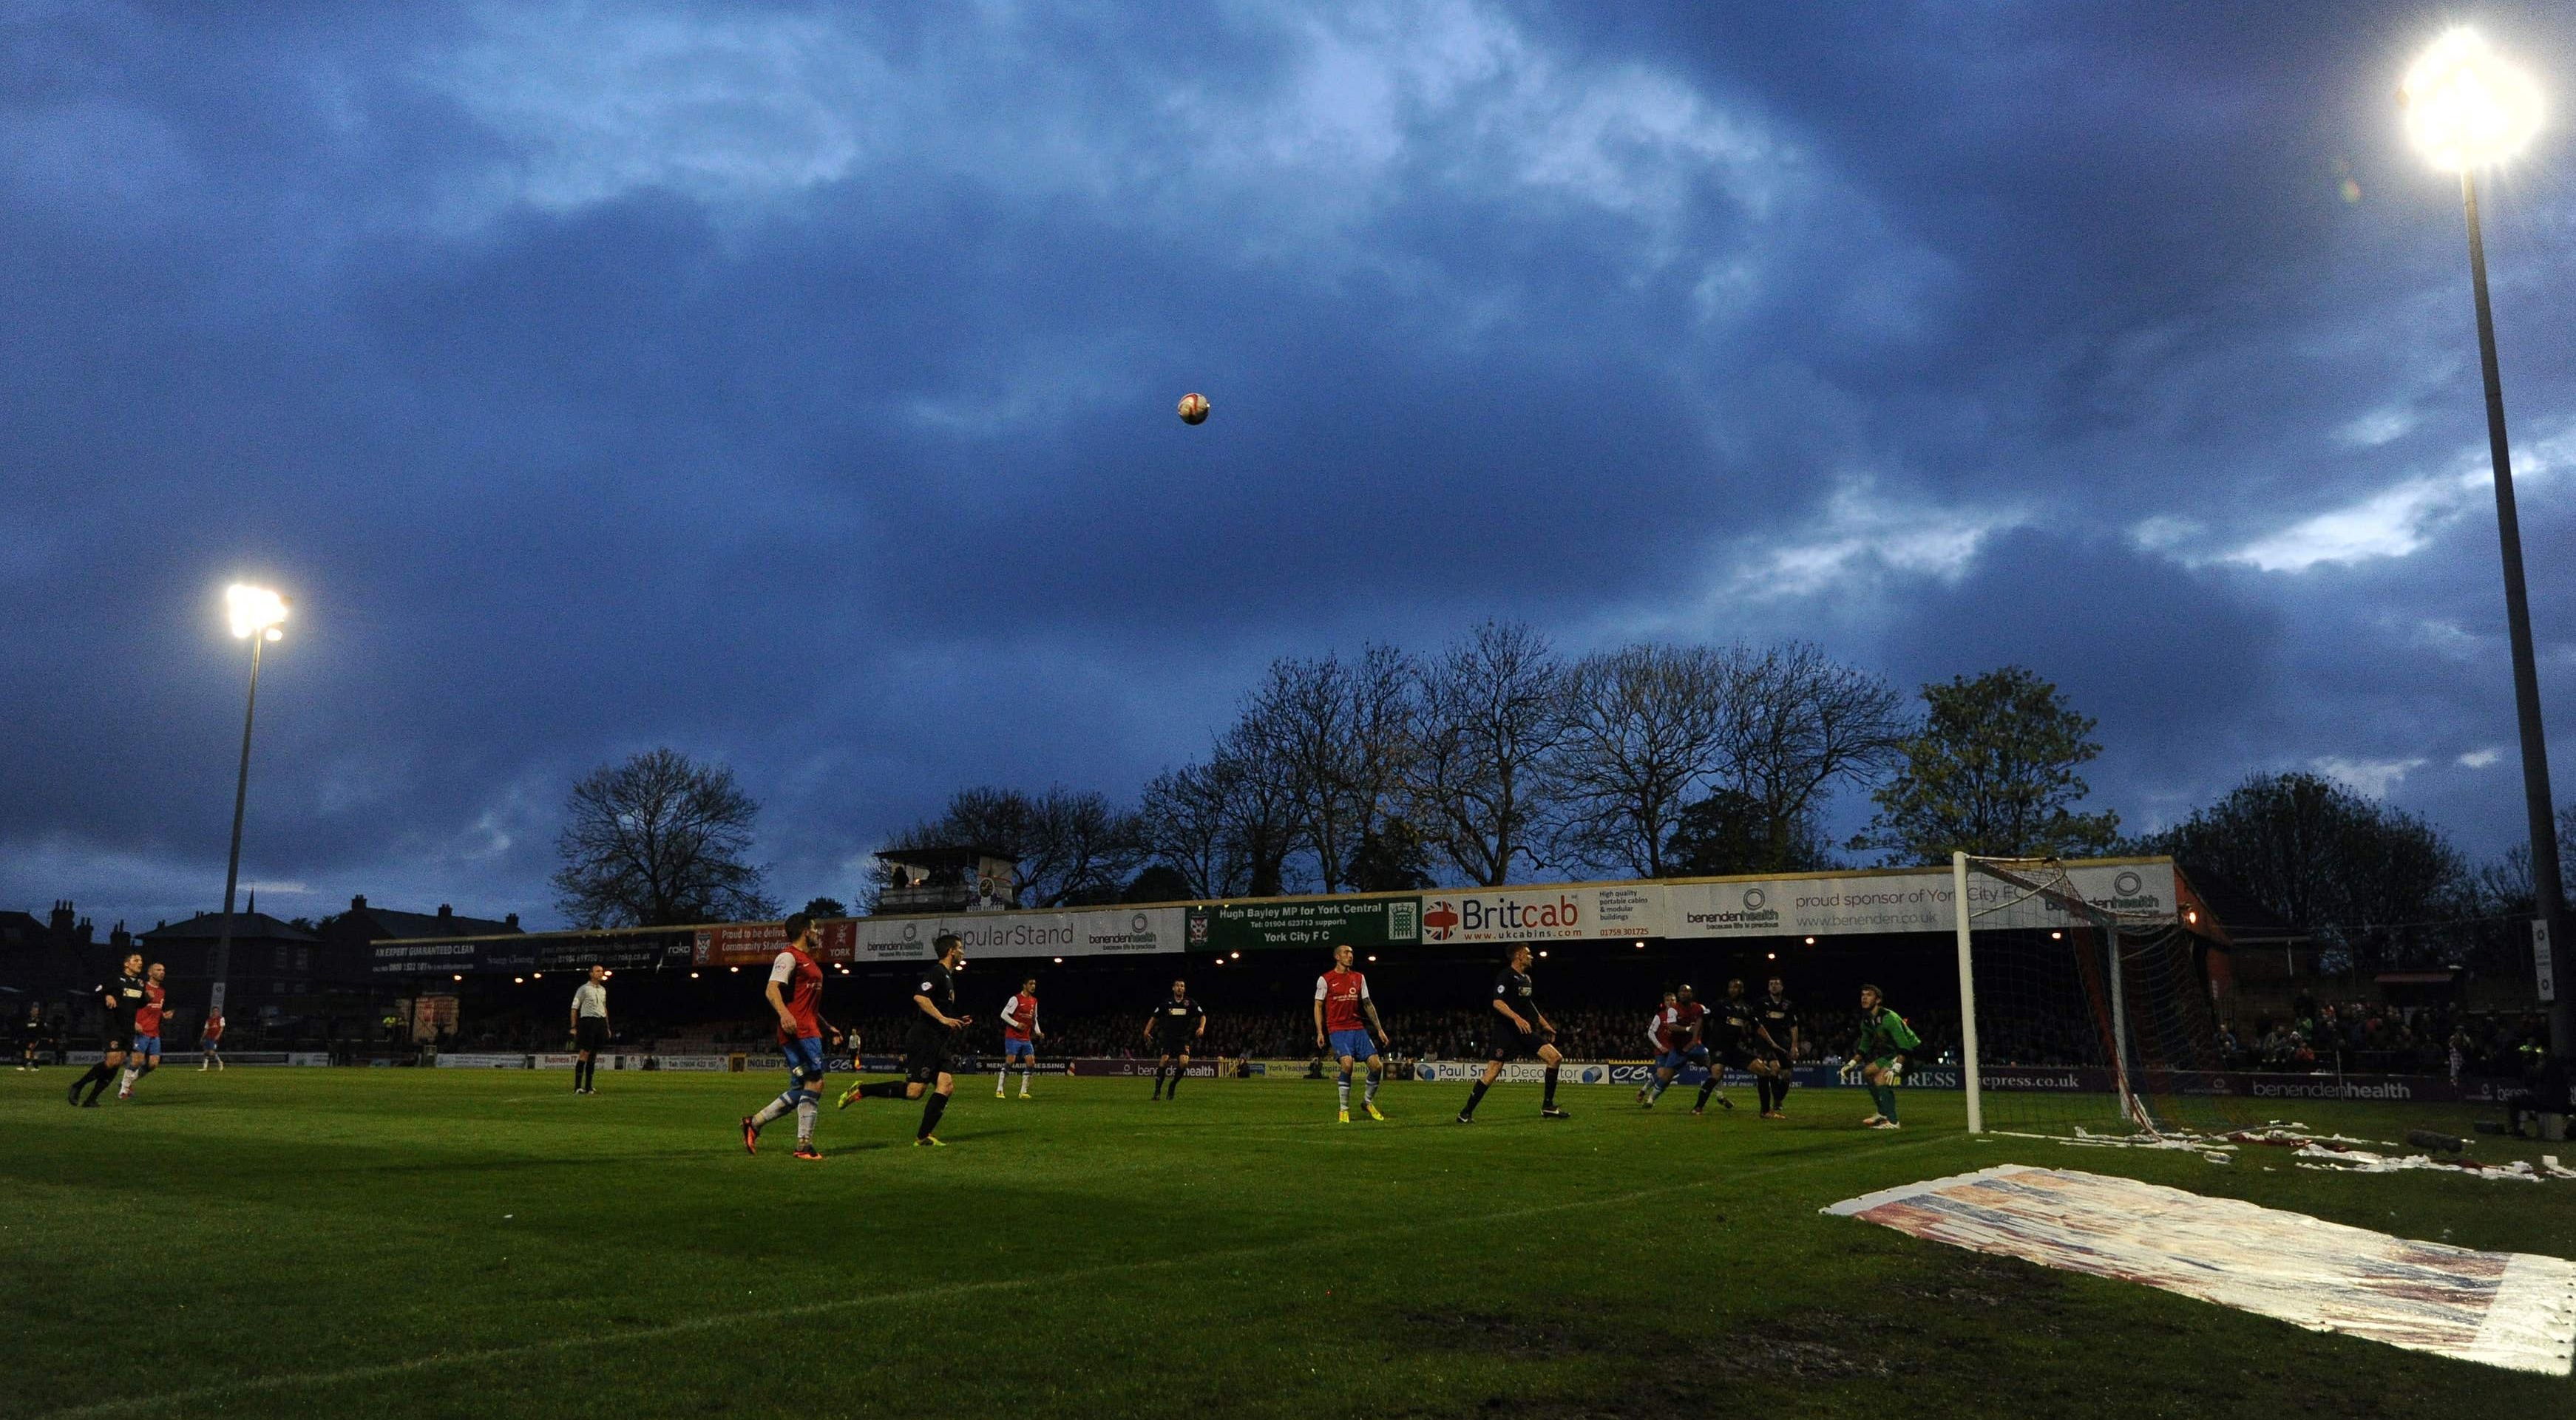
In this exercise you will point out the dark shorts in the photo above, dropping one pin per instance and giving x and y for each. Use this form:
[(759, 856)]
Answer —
[(1512, 1045), (1170, 1052), (591, 1033), (1735, 1057), (926, 1058), (116, 1042), (1769, 1059)]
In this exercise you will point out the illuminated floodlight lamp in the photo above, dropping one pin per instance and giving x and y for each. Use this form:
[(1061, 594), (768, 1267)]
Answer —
[(2466, 106), (255, 611)]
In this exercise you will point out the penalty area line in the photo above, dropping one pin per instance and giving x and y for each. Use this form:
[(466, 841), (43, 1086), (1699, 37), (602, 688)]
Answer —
[(718, 1321)]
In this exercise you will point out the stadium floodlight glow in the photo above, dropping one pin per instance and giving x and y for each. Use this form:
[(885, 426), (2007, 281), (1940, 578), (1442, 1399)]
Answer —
[(2466, 105), (255, 611), (2467, 108), (1811, 941)]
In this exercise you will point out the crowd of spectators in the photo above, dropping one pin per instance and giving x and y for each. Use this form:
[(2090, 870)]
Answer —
[(2372, 1038)]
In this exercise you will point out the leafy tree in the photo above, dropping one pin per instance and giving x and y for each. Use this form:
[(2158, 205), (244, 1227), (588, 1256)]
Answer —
[(1159, 882), (2322, 856), (1391, 858), (1730, 831), (1991, 770), (825, 907), (657, 841)]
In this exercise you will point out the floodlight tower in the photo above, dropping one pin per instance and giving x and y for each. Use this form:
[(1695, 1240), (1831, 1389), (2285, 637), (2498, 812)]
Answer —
[(256, 612), (2466, 109)]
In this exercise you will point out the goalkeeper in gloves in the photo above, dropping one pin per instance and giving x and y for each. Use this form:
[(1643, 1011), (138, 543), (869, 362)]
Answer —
[(1884, 1039)]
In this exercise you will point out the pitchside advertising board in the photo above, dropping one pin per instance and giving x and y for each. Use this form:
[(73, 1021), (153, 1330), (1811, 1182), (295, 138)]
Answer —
[(1321, 922), (507, 956), (1905, 902), (1085, 932)]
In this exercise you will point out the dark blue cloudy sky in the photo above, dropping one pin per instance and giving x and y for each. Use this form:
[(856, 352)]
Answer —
[(793, 384)]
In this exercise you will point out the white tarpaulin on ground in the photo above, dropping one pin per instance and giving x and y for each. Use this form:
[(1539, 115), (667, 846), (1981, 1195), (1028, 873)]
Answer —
[(2509, 1309)]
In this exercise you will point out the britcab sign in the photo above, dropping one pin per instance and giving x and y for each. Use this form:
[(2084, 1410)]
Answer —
[(1546, 916)]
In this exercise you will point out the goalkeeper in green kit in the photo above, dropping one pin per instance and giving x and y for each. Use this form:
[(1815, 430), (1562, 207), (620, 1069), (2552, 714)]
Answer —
[(1880, 1052)]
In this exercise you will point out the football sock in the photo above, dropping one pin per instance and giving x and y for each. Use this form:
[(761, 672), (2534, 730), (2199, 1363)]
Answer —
[(931, 1109), (1175, 1091), (95, 1072), (1475, 1097), (1655, 1090), (1374, 1077), (1158, 1082), (126, 1081), (882, 1090), (1025, 1072), (105, 1076), (1780, 1089), (1345, 1088), (1548, 1100), (806, 1109), (1762, 1087), (1709, 1087), (1887, 1100), (786, 1101), (1001, 1079)]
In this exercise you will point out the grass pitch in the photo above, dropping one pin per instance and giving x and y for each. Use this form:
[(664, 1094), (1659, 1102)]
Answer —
[(399, 1242)]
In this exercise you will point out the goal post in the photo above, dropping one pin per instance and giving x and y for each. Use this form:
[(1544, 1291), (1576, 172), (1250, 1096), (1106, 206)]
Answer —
[(2070, 1017), (1967, 995)]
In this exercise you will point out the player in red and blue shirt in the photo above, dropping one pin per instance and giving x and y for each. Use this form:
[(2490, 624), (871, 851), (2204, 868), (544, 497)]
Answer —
[(1676, 1032), (1019, 1037), (1346, 1024), (145, 1057), (795, 992)]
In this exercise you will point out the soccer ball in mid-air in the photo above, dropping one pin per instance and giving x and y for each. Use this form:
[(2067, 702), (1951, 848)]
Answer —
[(1194, 408)]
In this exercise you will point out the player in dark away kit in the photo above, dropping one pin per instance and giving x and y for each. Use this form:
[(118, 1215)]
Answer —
[(930, 1048), (1175, 1026), (1521, 1031)]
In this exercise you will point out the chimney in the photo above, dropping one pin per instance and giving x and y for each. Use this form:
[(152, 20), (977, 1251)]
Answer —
[(119, 937), (61, 920), (446, 911), (84, 932), (358, 903), (512, 921)]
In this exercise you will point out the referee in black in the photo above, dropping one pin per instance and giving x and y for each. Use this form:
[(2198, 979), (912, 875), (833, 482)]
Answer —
[(589, 1030), (930, 1049)]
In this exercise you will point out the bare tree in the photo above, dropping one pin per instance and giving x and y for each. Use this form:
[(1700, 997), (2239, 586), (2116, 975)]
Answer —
[(1644, 726), (1342, 733), (656, 841), (1798, 722), (1493, 711), (1261, 808), (1072, 846), (1188, 821)]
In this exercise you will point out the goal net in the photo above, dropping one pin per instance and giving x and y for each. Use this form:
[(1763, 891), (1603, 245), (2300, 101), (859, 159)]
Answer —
[(2075, 1017)]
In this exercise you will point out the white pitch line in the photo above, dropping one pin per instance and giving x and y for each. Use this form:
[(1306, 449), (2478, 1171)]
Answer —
[(719, 1320)]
